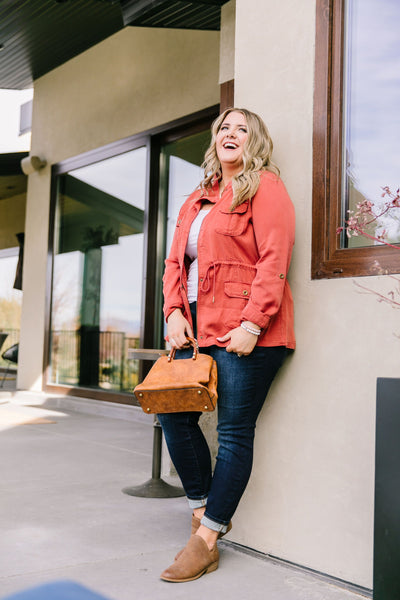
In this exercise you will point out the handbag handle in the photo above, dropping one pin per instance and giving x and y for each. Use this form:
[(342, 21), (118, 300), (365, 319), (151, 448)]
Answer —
[(192, 342)]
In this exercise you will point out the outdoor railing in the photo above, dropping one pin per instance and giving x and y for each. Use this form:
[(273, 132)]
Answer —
[(116, 370)]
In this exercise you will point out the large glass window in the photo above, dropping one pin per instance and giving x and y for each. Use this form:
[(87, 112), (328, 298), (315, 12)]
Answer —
[(98, 273), (181, 173), (113, 214), (371, 112), (10, 301), (356, 130), (182, 161), (12, 227)]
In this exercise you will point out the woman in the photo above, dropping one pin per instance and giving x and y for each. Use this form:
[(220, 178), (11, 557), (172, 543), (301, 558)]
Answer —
[(225, 284)]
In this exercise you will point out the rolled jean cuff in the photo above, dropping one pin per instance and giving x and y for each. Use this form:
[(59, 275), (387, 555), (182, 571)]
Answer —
[(197, 503), (220, 527)]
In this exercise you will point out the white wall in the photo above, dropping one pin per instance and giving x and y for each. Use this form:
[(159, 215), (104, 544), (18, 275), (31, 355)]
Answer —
[(10, 115), (310, 499), (136, 79)]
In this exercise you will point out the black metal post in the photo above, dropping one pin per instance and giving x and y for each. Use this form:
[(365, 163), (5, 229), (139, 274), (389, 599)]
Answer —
[(155, 487), (387, 491)]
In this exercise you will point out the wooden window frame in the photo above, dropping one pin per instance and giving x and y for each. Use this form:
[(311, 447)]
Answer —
[(329, 260), (227, 95)]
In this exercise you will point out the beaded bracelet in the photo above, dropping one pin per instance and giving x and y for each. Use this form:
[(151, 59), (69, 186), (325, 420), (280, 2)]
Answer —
[(249, 329)]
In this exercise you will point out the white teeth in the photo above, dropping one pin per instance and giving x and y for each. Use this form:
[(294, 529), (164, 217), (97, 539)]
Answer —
[(230, 146)]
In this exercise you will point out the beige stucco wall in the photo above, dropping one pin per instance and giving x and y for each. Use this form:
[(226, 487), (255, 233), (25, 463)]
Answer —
[(137, 79), (227, 42), (310, 499)]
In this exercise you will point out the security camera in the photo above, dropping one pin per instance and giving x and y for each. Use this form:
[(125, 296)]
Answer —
[(30, 164)]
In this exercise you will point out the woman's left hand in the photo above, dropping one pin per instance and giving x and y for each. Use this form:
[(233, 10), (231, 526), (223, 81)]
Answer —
[(241, 341)]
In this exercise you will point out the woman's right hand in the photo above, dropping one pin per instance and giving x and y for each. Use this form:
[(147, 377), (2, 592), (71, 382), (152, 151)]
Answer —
[(178, 329)]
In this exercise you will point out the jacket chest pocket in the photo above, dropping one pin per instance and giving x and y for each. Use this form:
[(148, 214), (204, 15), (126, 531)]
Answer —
[(233, 222)]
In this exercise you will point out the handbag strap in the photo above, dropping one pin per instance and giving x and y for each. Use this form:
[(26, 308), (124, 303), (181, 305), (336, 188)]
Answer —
[(192, 342)]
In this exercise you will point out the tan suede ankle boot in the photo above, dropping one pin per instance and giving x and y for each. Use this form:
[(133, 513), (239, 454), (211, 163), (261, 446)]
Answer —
[(196, 524), (195, 560)]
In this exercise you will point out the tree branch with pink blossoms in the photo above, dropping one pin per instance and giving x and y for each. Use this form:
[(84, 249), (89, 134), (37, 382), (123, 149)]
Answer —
[(366, 217)]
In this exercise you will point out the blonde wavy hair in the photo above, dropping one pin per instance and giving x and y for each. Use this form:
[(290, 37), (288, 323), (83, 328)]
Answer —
[(257, 153)]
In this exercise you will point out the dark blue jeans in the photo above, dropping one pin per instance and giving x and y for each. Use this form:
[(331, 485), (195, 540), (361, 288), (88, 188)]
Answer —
[(243, 384)]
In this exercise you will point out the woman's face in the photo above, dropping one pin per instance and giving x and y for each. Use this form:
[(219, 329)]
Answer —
[(230, 142)]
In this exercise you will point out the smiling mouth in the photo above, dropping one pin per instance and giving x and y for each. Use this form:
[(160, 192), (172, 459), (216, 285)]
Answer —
[(230, 146)]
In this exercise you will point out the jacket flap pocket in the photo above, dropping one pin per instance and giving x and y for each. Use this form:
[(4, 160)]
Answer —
[(242, 208), (236, 289)]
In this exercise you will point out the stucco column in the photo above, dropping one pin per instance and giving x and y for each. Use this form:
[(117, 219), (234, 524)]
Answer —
[(30, 359)]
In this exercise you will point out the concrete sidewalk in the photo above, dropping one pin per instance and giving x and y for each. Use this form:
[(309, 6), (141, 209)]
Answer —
[(63, 515)]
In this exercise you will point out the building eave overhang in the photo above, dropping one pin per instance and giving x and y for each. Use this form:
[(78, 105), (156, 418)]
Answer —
[(40, 35)]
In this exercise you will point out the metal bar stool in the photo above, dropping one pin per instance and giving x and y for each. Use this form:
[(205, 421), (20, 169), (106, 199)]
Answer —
[(11, 356), (3, 337)]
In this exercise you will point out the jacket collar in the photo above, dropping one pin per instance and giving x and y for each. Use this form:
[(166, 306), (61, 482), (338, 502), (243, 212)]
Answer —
[(213, 194)]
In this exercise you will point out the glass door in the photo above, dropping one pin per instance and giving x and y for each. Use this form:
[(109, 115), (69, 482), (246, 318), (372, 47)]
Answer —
[(98, 273), (180, 175), (113, 225)]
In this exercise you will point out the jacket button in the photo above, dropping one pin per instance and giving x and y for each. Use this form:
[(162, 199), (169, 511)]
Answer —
[(245, 293), (201, 279), (281, 276)]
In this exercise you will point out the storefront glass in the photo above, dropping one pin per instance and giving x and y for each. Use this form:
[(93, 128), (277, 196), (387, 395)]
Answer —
[(113, 226), (12, 227), (371, 85), (98, 273)]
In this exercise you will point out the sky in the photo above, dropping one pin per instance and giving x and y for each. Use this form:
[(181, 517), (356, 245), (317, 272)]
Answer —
[(373, 99), (10, 102), (374, 115), (122, 176)]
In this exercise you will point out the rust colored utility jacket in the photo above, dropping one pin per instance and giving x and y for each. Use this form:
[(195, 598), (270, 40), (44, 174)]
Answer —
[(243, 260)]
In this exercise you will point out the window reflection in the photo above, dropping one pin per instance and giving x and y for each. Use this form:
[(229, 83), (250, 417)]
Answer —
[(183, 160), (98, 273), (181, 173), (10, 301), (371, 116), (12, 227)]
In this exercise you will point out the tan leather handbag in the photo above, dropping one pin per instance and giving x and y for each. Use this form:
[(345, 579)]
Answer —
[(187, 384)]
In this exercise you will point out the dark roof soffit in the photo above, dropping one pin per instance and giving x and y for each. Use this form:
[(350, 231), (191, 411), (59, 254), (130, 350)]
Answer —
[(10, 163), (40, 35), (182, 14)]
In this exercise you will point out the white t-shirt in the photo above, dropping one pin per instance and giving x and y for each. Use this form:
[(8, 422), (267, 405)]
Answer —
[(191, 252)]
